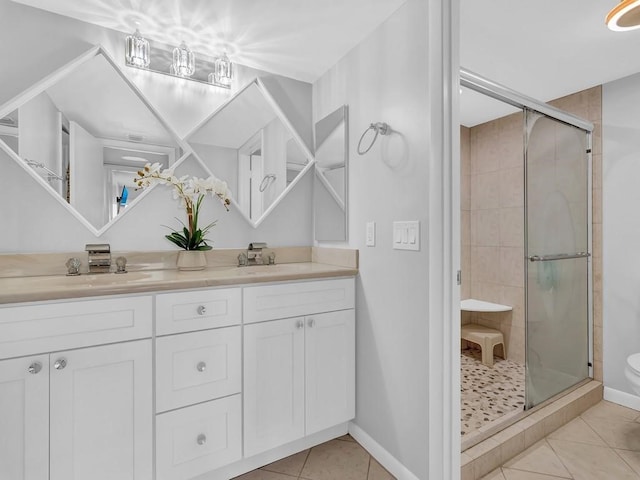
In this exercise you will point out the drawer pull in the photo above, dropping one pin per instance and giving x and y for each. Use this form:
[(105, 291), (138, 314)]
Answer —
[(202, 439), (34, 368), (312, 322), (299, 324), (202, 310), (60, 364), (201, 367)]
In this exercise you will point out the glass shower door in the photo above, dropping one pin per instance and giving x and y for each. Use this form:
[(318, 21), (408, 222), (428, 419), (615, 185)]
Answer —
[(557, 258)]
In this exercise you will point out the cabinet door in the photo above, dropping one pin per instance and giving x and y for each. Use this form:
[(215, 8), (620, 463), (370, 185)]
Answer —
[(330, 369), (273, 384), (24, 418), (101, 413)]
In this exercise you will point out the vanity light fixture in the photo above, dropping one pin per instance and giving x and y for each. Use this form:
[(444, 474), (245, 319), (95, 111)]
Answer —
[(624, 16), (222, 71), (181, 62), (136, 50), (184, 61)]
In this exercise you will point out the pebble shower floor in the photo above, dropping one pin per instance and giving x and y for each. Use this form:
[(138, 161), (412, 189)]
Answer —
[(488, 393)]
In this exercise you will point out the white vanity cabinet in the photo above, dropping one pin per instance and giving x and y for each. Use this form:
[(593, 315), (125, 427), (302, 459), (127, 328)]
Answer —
[(77, 413), (299, 372), (198, 382), (85, 385)]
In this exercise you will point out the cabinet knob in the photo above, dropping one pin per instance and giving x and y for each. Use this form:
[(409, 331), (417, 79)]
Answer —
[(202, 439), (34, 368), (299, 324), (201, 367), (312, 322), (60, 364), (202, 310)]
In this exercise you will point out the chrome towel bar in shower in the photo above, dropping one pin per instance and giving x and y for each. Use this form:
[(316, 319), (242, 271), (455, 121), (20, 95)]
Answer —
[(558, 256)]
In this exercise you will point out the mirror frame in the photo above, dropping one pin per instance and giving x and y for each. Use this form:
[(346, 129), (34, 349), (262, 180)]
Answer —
[(283, 118), (343, 204), (52, 79)]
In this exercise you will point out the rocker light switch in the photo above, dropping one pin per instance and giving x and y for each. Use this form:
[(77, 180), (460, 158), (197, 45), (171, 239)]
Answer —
[(406, 235), (371, 234)]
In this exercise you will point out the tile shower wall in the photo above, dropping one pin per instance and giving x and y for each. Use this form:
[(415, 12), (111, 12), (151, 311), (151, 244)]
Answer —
[(492, 219), (465, 212), (495, 211)]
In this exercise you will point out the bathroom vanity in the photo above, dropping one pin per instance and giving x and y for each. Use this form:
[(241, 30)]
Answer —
[(206, 375)]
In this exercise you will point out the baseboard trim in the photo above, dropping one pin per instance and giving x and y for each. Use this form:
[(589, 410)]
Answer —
[(621, 398), (385, 459)]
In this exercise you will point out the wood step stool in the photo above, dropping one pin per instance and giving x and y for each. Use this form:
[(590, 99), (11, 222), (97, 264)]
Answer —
[(486, 337)]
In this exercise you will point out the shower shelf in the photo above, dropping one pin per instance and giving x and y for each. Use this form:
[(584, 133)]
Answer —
[(473, 305)]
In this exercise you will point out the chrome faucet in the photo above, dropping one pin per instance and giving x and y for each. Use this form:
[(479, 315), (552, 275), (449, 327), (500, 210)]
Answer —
[(254, 253), (99, 257)]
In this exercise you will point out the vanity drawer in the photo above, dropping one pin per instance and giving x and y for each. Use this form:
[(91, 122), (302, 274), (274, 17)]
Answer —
[(195, 440), (270, 302), (30, 329), (190, 311), (196, 367)]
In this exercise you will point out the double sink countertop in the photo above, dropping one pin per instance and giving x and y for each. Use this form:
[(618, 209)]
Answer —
[(298, 263)]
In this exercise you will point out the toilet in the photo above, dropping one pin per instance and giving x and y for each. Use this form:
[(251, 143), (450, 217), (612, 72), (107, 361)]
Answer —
[(632, 372)]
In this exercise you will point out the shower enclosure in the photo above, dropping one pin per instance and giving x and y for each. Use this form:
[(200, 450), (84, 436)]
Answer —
[(557, 243), (557, 193)]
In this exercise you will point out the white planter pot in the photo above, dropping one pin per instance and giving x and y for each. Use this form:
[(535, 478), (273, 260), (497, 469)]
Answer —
[(189, 260)]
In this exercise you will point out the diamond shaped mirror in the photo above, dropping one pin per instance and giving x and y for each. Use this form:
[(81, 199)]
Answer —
[(82, 133), (250, 143)]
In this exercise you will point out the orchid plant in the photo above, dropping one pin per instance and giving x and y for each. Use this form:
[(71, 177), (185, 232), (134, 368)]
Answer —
[(191, 191)]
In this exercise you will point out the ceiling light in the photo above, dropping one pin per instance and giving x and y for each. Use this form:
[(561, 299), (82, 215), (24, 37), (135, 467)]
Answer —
[(222, 71), (136, 50), (624, 16), (184, 61)]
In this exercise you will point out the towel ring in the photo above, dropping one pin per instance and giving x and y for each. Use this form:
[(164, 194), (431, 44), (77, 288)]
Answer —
[(266, 181), (380, 128)]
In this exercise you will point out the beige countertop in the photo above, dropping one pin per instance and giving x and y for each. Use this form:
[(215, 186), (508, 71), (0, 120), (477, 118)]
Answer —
[(55, 287)]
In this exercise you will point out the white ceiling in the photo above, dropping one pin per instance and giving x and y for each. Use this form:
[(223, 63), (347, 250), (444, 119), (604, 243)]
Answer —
[(300, 39), (95, 96), (543, 48)]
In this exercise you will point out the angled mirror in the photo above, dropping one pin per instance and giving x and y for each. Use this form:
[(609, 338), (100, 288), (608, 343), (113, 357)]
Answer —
[(330, 184), (82, 133), (250, 143)]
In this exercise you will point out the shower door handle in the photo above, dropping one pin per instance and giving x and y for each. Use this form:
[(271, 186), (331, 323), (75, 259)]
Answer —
[(558, 256)]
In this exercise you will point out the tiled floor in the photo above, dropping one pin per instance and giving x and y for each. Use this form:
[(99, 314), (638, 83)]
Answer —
[(339, 459), (488, 393), (601, 444)]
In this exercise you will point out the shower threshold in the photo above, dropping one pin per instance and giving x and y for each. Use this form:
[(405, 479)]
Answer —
[(531, 416)]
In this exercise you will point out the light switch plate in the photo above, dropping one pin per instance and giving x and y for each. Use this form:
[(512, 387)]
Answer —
[(371, 234), (406, 235)]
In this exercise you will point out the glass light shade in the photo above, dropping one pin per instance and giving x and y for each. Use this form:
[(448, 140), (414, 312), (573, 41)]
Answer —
[(222, 71), (136, 50), (184, 61)]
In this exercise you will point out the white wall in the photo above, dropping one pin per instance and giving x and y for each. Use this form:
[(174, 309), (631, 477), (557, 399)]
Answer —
[(391, 77), (48, 226), (87, 175), (222, 160), (37, 138), (621, 227)]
